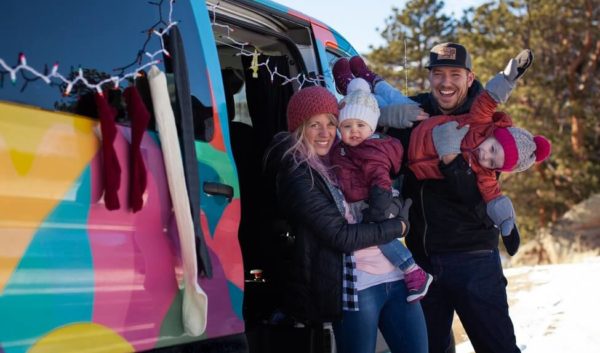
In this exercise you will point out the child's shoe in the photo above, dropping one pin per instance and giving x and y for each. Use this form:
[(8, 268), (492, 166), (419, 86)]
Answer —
[(512, 241), (524, 60), (342, 75), (417, 283), (360, 69)]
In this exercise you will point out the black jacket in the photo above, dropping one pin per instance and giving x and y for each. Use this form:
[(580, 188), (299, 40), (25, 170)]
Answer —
[(313, 292), (447, 215)]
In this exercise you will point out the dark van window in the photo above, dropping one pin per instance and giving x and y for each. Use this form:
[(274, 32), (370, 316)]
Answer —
[(102, 38), (331, 59)]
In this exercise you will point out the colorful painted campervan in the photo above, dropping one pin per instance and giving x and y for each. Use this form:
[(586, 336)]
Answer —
[(95, 229)]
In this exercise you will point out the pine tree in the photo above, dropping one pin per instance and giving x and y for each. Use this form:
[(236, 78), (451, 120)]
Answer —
[(410, 34)]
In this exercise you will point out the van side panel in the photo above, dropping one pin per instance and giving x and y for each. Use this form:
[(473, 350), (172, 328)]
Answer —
[(76, 277), (69, 265), (81, 263), (24, 201), (219, 218), (133, 251), (46, 260)]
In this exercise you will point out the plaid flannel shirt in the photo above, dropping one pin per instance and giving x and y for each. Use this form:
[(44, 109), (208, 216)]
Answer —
[(349, 291)]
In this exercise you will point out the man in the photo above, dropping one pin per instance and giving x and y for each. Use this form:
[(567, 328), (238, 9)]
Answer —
[(451, 236)]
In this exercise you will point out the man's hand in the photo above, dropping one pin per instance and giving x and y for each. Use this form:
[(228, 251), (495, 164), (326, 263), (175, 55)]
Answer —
[(502, 213), (401, 116), (447, 138)]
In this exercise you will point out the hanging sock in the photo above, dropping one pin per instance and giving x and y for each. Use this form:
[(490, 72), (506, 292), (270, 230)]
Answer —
[(137, 112), (195, 300), (111, 172), (186, 128)]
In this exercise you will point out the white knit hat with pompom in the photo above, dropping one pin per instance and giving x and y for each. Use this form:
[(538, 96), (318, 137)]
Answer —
[(359, 104)]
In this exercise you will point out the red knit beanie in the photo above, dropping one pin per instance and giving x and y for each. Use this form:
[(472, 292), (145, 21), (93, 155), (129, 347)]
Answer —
[(309, 102), (521, 148)]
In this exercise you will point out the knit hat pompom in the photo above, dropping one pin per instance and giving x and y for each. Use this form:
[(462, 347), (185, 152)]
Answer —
[(358, 84), (521, 148), (543, 148), (309, 102), (360, 104)]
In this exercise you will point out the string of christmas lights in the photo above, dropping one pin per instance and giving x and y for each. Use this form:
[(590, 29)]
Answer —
[(116, 80), (301, 78), (53, 74)]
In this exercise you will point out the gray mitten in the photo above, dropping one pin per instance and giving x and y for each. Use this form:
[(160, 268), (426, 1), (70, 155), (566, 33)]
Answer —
[(502, 213), (399, 116), (501, 85), (447, 138)]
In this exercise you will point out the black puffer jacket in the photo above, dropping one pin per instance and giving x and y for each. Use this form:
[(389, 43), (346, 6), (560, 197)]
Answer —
[(447, 215), (313, 290)]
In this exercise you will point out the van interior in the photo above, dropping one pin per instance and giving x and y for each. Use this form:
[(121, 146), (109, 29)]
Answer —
[(256, 107)]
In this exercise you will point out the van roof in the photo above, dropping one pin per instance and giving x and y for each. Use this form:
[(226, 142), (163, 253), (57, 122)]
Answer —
[(341, 42)]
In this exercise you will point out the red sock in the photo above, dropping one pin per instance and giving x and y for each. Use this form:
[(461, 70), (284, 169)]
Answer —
[(137, 112), (111, 172)]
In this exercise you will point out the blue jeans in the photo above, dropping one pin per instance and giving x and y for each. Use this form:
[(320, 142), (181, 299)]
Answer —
[(473, 285), (384, 306), (398, 254)]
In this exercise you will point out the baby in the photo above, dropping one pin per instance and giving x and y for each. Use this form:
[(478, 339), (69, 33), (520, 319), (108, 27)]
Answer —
[(363, 161)]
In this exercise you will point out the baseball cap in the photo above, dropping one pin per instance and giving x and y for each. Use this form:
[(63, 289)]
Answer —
[(449, 54)]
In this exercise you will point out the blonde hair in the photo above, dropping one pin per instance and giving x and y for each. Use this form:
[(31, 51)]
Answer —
[(301, 153)]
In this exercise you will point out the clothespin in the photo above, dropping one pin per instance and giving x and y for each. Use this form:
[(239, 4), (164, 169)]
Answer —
[(68, 89), (254, 64)]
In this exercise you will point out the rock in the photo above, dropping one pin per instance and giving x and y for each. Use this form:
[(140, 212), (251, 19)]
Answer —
[(574, 236)]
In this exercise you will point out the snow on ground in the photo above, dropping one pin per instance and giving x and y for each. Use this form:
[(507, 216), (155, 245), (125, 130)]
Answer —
[(554, 308)]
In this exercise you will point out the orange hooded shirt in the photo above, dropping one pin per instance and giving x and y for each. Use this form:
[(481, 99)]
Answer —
[(423, 159)]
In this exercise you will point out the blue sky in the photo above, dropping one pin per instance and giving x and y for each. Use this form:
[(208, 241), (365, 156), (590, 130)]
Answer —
[(350, 21)]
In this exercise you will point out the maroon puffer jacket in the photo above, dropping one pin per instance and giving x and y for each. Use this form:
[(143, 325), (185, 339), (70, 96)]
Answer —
[(369, 164)]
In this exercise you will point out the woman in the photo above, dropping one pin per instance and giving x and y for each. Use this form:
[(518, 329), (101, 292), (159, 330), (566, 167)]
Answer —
[(322, 282)]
